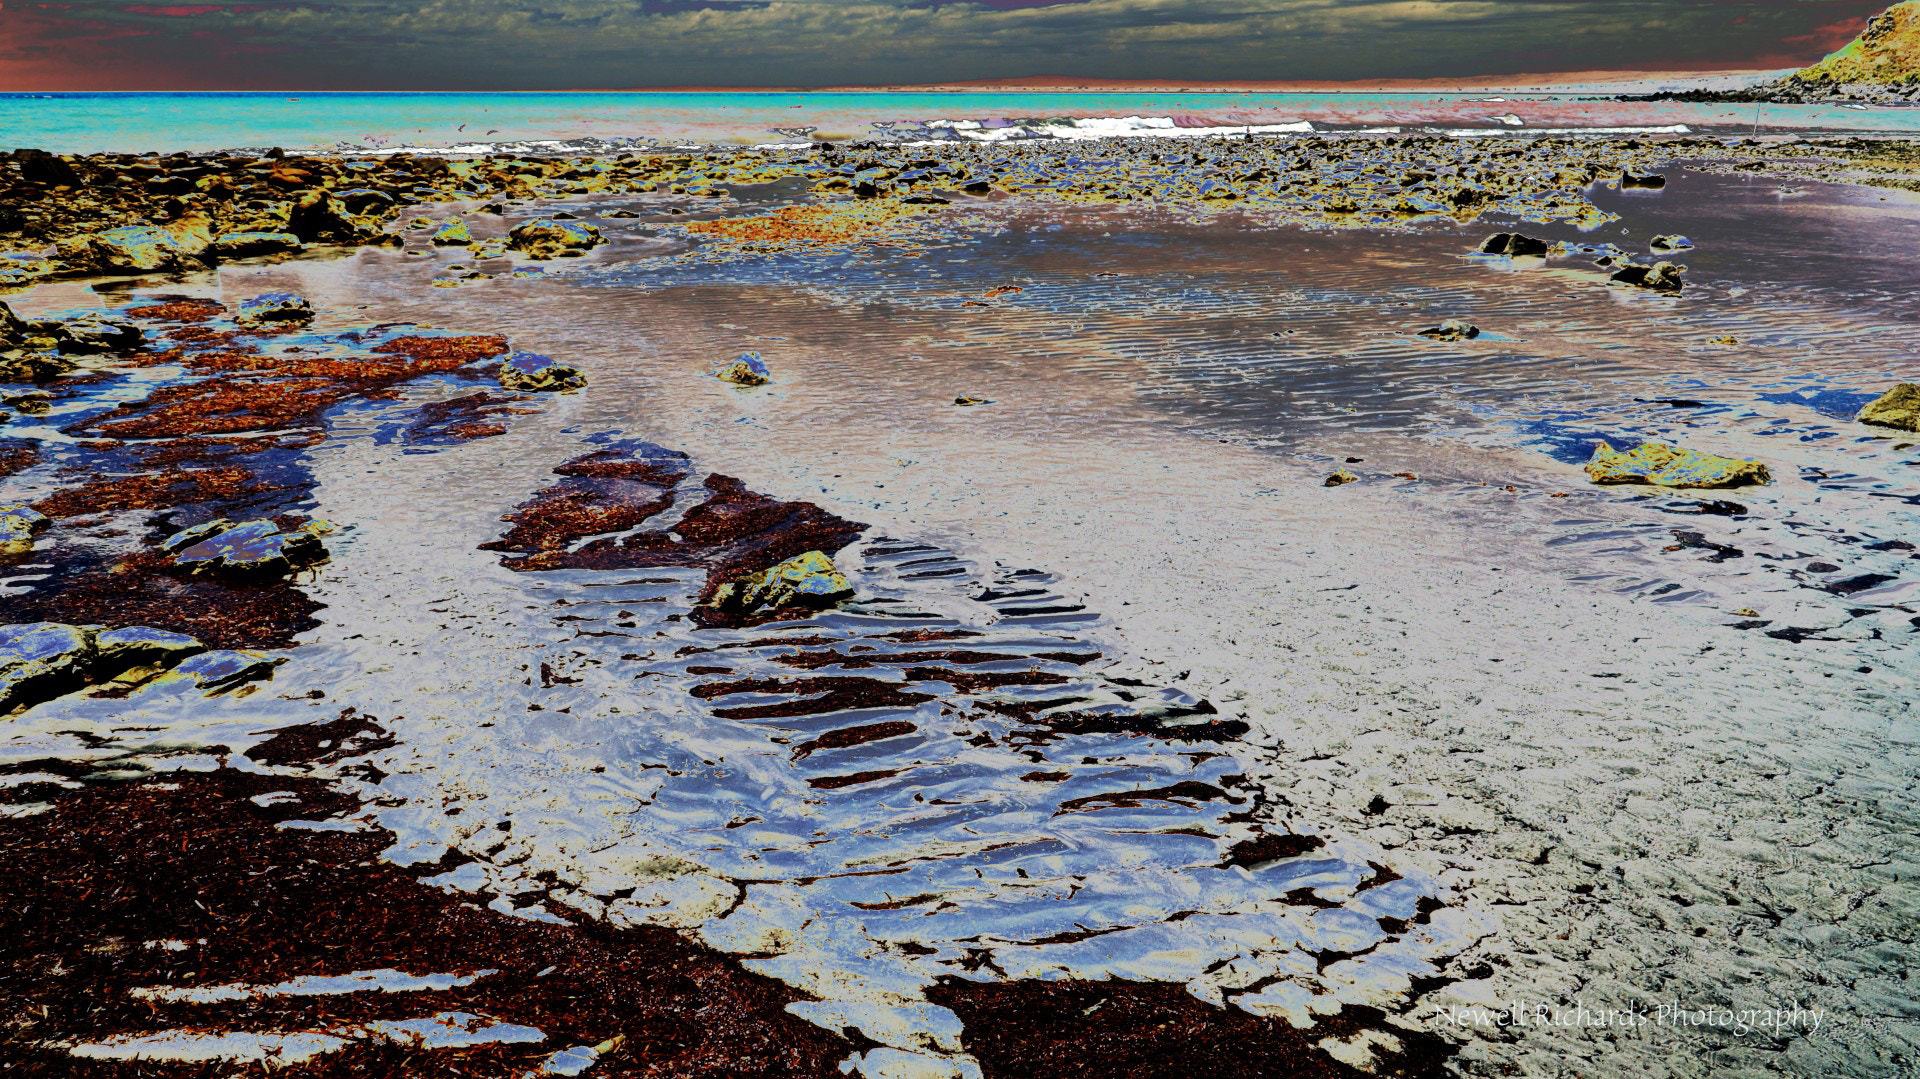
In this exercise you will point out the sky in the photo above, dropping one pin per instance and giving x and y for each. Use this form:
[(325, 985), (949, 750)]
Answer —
[(611, 44)]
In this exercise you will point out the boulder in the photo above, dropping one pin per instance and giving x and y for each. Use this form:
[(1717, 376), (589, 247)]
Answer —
[(1672, 466), (242, 245), (546, 238), (13, 329), (19, 523), (1669, 243), (97, 333), (805, 580), (748, 370), (1898, 407), (274, 309), (1452, 329), (1646, 180), (452, 234), (533, 372), (259, 547), (1659, 277), (41, 660), (319, 217), (1512, 243)]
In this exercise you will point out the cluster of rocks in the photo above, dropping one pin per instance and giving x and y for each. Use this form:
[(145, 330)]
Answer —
[(35, 349), (124, 214), (43, 660)]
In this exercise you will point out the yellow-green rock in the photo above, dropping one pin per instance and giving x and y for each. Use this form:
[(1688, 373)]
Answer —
[(805, 580), (1672, 466), (1898, 407)]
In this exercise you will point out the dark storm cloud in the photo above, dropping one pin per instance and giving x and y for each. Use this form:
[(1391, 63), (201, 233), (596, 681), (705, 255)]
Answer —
[(529, 44)]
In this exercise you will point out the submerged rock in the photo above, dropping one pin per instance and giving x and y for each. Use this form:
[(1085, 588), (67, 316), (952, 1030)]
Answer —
[(274, 307), (1898, 407), (1659, 277), (1669, 243), (805, 580), (748, 370), (1672, 466), (1512, 243), (453, 234), (255, 547), (1647, 180), (547, 238), (222, 670), (530, 371), (19, 523), (1453, 329)]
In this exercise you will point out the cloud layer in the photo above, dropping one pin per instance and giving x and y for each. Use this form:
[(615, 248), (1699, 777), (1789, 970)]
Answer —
[(553, 44)]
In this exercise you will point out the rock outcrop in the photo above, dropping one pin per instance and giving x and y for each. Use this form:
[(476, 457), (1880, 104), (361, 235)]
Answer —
[(809, 579), (43, 660), (534, 373), (548, 238), (1661, 465), (1899, 408)]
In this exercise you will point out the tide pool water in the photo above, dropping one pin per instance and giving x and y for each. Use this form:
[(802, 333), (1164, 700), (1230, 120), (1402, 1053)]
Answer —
[(478, 122)]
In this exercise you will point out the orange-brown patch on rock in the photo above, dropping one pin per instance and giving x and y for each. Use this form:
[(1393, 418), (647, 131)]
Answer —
[(180, 309), (169, 487)]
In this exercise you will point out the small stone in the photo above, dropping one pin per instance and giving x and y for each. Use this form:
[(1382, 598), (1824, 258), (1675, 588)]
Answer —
[(532, 372), (1669, 243), (1899, 408), (1672, 466), (1453, 329), (967, 399), (19, 523), (748, 370), (1338, 478)]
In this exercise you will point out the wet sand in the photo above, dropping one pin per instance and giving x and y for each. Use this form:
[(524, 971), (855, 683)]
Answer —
[(1130, 716)]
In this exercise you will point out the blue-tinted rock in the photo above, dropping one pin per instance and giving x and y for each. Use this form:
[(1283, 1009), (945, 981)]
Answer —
[(18, 525), (453, 234), (274, 307), (221, 670), (141, 646), (41, 660), (253, 547), (748, 370), (531, 371), (177, 245), (187, 537)]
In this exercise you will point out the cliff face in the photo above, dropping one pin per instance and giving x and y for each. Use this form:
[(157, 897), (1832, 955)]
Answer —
[(1887, 51), (1882, 64)]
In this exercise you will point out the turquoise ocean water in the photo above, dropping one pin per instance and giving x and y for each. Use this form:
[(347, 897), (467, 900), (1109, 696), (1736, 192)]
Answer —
[(143, 122)]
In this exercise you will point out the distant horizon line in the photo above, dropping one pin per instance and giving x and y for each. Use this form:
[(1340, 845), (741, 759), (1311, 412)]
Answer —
[(1540, 81)]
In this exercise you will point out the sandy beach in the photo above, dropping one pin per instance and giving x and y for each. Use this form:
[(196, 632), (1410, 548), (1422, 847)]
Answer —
[(998, 608)]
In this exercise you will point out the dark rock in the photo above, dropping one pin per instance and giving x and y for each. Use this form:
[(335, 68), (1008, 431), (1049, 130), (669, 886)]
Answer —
[(1669, 243), (546, 238), (253, 547), (97, 333), (1660, 277), (1646, 180), (222, 670), (241, 245), (1511, 244), (1452, 329), (143, 646)]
